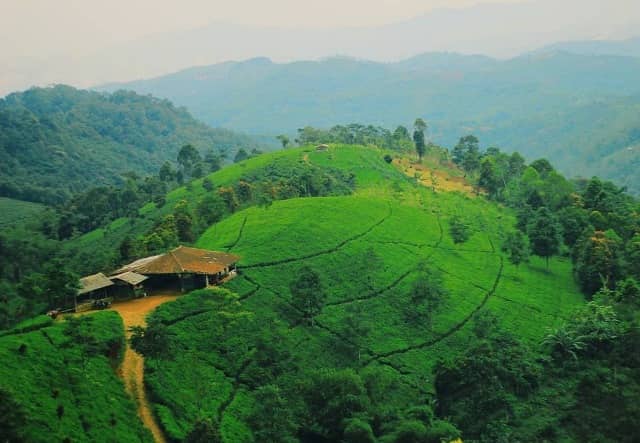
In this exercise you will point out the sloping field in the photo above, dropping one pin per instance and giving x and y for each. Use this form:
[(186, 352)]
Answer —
[(66, 383), (369, 250)]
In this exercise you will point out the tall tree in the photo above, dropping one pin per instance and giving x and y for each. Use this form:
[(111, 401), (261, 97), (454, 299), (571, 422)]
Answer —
[(419, 129), (599, 260), (467, 147), (188, 158), (166, 172), (517, 247), (284, 140), (544, 234)]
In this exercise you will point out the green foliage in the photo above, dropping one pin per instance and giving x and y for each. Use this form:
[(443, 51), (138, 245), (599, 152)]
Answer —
[(428, 295), (46, 133), (598, 260), (14, 213), (12, 418), (459, 229), (59, 383), (544, 234), (330, 397), (205, 431), (284, 140), (272, 418), (307, 294), (516, 246), (490, 377)]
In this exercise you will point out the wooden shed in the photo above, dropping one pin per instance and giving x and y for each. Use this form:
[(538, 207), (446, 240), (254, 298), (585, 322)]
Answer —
[(92, 287), (129, 284)]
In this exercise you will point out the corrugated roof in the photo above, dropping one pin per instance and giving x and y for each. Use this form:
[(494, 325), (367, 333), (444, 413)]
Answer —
[(130, 277), (93, 282), (182, 260)]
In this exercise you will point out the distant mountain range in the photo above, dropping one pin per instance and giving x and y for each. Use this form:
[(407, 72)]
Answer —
[(496, 29), (581, 111), (627, 48)]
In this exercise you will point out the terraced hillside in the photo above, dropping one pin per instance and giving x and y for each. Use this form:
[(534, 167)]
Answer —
[(368, 248), (58, 382)]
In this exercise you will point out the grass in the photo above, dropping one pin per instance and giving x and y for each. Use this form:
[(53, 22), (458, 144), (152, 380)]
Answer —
[(17, 212), (42, 370)]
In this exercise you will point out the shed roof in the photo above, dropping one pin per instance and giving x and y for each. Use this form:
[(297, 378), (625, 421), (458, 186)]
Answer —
[(130, 277), (93, 283), (182, 260)]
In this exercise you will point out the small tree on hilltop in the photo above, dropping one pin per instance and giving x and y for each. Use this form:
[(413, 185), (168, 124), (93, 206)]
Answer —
[(307, 294), (419, 128), (284, 140)]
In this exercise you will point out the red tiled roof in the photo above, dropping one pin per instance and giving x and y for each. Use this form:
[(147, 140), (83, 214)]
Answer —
[(182, 260)]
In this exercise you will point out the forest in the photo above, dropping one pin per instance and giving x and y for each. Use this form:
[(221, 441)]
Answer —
[(58, 141)]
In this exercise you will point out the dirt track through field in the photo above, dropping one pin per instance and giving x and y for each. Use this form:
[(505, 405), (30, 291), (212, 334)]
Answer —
[(134, 313)]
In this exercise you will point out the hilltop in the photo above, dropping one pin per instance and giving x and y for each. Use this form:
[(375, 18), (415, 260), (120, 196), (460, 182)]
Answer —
[(574, 109), (57, 141)]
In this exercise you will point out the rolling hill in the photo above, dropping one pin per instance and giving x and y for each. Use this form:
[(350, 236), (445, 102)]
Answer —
[(574, 109), (57, 141), (369, 247), (374, 362)]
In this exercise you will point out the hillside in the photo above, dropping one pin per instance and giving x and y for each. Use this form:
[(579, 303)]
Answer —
[(369, 248), (517, 104), (374, 304), (58, 383), (57, 141)]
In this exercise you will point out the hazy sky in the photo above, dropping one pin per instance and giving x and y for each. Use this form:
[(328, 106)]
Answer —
[(91, 42), (42, 28)]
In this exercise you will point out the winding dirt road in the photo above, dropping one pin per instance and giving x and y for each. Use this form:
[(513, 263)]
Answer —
[(131, 371)]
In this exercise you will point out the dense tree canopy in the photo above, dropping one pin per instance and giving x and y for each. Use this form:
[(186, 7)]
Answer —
[(56, 142)]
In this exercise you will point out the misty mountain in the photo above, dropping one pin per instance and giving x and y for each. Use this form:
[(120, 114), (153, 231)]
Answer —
[(499, 30), (529, 103), (629, 47)]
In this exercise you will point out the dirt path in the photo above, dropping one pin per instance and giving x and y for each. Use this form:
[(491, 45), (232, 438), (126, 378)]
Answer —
[(133, 313)]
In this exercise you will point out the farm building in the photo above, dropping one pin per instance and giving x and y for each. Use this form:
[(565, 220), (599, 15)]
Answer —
[(183, 268), (180, 269), (94, 287), (129, 283)]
